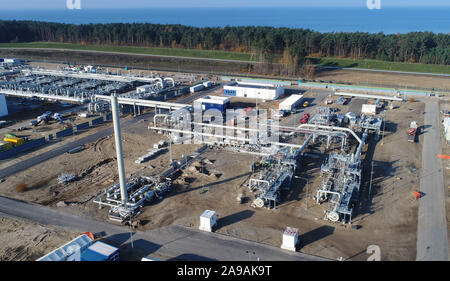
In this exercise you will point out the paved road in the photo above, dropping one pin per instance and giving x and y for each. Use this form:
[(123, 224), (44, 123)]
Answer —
[(172, 241), (135, 54), (432, 240)]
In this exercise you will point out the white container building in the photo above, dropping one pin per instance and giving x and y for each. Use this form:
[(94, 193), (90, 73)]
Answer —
[(196, 88), (208, 220), (12, 60), (290, 239), (291, 102), (446, 124), (253, 90), (369, 109)]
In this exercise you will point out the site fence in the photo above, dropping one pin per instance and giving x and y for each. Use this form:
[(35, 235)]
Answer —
[(63, 133), (97, 121), (363, 89), (82, 126)]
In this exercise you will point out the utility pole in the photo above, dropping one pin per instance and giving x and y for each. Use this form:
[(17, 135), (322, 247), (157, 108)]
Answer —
[(170, 148), (384, 123), (371, 176), (131, 234)]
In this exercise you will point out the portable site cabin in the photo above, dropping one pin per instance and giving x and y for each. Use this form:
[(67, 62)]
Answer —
[(369, 109), (290, 103), (208, 220), (196, 88), (446, 123), (290, 239)]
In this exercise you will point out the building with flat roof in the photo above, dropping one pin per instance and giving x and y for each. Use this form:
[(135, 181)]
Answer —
[(291, 102), (253, 90), (213, 102)]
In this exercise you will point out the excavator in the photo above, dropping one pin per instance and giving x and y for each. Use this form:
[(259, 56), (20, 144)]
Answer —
[(47, 116)]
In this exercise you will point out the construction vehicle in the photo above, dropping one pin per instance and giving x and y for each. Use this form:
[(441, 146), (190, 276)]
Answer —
[(412, 131), (44, 117), (47, 116), (341, 101), (306, 104), (14, 140), (305, 118)]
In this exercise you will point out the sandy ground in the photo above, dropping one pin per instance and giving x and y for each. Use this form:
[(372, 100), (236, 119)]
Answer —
[(385, 79), (387, 219), (27, 241)]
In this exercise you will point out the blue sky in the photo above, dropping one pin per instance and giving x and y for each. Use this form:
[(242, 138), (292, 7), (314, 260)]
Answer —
[(98, 4)]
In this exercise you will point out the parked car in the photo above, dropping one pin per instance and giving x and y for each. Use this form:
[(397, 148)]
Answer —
[(281, 113)]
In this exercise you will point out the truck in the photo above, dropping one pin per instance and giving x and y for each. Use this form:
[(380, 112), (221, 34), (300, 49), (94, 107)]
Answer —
[(14, 140), (412, 131)]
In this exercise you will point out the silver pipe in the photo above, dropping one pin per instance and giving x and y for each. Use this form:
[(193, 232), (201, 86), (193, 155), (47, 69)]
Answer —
[(118, 139), (363, 140)]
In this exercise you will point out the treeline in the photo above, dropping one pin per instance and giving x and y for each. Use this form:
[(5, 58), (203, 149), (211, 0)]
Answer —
[(285, 45)]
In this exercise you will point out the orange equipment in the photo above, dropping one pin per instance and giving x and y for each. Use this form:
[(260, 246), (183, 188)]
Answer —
[(89, 234), (418, 194)]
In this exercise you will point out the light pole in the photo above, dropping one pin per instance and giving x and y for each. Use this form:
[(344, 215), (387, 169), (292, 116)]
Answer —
[(170, 148), (307, 191), (384, 124), (131, 234), (371, 176)]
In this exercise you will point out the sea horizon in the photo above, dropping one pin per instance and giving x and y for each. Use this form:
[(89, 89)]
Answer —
[(389, 20)]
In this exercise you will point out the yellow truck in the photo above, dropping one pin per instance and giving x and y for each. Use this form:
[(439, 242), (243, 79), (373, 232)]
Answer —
[(305, 104), (14, 140)]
